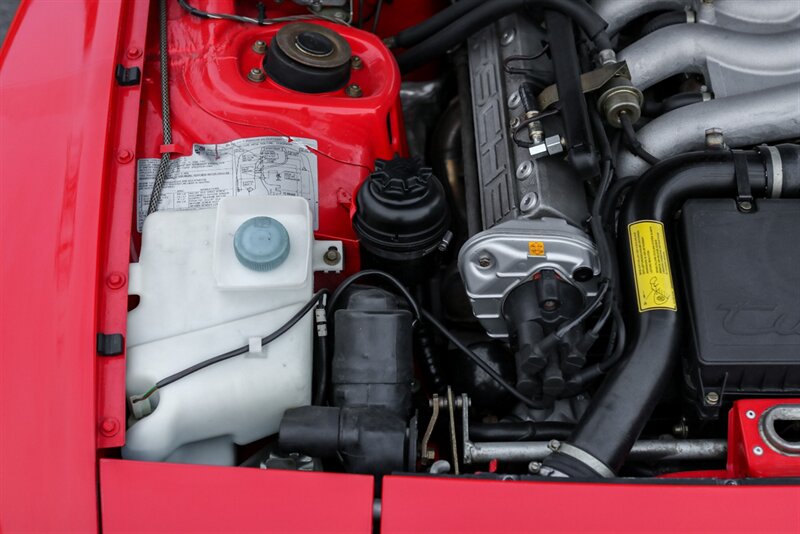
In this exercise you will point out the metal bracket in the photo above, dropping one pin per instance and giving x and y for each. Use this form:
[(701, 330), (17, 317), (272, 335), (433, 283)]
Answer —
[(590, 81)]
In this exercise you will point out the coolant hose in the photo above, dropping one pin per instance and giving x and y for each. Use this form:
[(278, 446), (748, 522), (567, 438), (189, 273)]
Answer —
[(487, 13), (604, 436)]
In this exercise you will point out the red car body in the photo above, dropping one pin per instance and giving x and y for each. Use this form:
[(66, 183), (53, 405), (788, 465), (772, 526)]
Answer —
[(66, 187)]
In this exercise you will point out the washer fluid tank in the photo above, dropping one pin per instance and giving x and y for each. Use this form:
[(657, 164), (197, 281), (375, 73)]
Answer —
[(210, 281)]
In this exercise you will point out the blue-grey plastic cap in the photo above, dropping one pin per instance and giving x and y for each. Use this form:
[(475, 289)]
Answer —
[(261, 244)]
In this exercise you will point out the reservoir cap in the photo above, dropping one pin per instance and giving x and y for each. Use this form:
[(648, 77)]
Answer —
[(261, 244)]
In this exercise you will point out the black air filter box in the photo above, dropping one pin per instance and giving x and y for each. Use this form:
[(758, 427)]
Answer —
[(742, 278)]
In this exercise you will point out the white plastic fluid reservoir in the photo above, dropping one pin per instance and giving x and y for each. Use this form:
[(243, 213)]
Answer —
[(210, 281)]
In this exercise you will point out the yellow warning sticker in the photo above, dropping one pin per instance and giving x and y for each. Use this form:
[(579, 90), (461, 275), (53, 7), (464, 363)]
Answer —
[(651, 271), (535, 248)]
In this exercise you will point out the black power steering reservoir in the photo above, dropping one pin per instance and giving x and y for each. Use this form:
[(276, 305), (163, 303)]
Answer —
[(402, 219)]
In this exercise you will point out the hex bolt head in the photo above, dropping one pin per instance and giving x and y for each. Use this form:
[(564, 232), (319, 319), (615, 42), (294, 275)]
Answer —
[(554, 445), (712, 398), (356, 63), (332, 256), (256, 75), (485, 262), (354, 91), (260, 47), (534, 467)]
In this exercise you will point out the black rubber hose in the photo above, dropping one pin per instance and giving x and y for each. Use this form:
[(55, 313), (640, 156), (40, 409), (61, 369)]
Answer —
[(662, 21), (415, 34), (487, 13), (653, 109), (520, 431), (627, 398)]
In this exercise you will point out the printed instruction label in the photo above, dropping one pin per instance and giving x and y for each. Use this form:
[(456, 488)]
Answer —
[(254, 166), (651, 271)]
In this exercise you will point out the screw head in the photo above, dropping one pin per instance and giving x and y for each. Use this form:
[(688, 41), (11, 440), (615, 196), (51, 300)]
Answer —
[(115, 280), (758, 451), (134, 52), (332, 256), (524, 170), (534, 467), (354, 91), (514, 100), (109, 427), (515, 123), (745, 206), (256, 75), (554, 445), (260, 47), (508, 37), (529, 201), (485, 262), (124, 156), (356, 62), (712, 397), (750, 414)]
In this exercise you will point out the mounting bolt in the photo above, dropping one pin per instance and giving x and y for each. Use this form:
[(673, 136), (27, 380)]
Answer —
[(257, 75), (508, 37), (534, 467), (750, 414), (514, 100), (554, 445), (332, 256), (485, 262), (109, 427), (758, 451), (712, 398), (356, 63), (260, 47), (681, 429), (354, 91), (524, 170), (529, 202), (115, 280), (134, 52), (124, 156)]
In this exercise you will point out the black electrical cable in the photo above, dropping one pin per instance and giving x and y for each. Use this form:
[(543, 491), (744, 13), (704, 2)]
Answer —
[(420, 313), (166, 124), (377, 16), (489, 370), (321, 357), (241, 350), (632, 142), (488, 12), (374, 273), (261, 21)]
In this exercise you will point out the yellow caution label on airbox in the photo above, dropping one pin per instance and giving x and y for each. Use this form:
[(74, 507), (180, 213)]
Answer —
[(651, 271)]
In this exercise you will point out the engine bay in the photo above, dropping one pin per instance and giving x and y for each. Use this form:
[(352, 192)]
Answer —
[(511, 239)]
